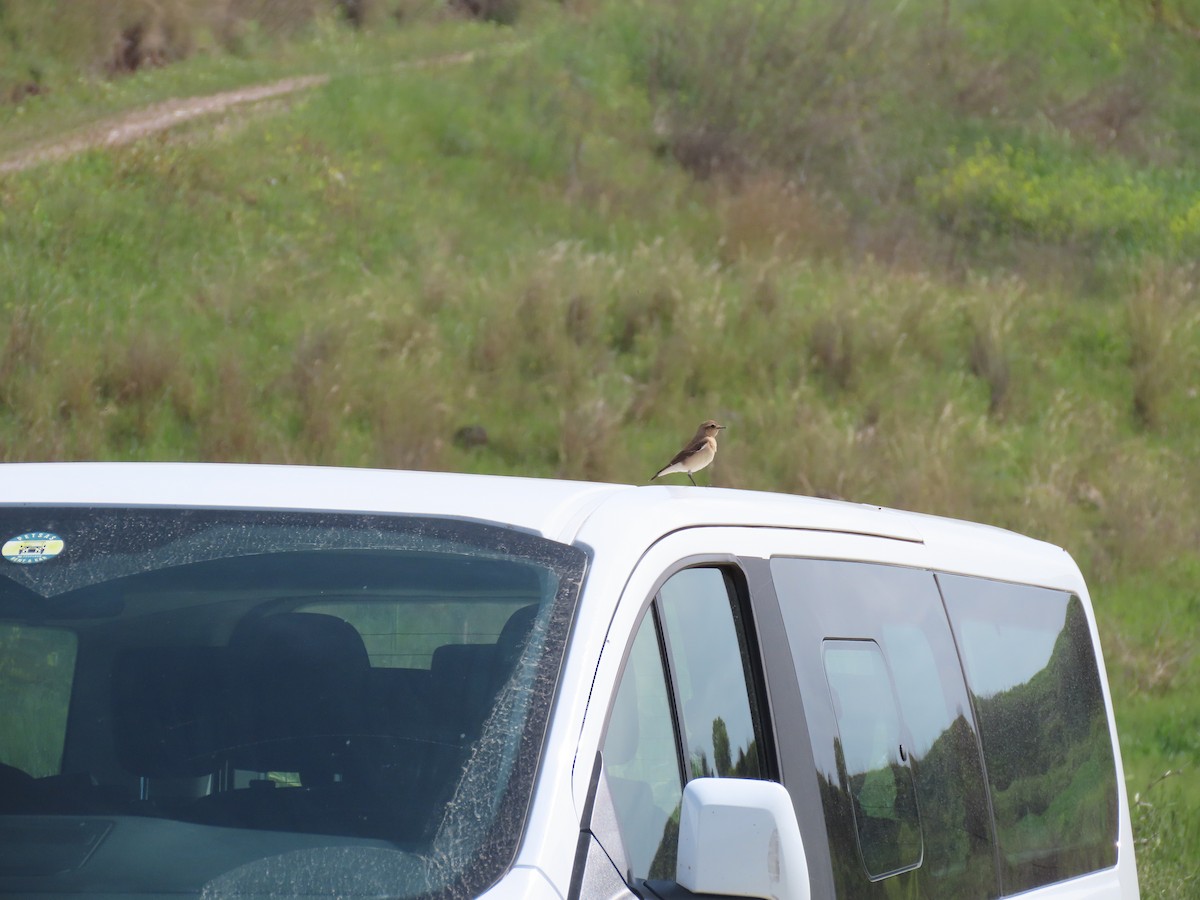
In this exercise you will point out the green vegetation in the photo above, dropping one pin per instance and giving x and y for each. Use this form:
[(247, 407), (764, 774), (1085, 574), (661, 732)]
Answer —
[(931, 255)]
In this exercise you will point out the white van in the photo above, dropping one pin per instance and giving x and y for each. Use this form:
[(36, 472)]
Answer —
[(243, 681)]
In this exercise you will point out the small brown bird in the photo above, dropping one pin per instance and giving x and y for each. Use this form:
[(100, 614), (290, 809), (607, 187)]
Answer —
[(696, 455)]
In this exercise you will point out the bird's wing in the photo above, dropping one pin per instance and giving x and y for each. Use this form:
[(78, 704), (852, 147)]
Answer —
[(694, 447)]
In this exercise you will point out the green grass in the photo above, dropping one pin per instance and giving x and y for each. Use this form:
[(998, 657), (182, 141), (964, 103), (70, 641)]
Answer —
[(927, 277)]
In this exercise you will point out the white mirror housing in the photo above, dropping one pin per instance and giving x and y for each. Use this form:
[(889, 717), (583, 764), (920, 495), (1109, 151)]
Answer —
[(739, 837)]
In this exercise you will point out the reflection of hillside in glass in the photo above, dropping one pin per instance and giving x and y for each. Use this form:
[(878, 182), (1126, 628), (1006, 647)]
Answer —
[(1040, 707), (1032, 703), (958, 834)]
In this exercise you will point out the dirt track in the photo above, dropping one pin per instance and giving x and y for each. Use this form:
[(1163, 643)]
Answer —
[(132, 126)]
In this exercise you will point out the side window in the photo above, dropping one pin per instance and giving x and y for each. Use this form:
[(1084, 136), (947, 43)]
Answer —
[(37, 666), (713, 675), (894, 742), (640, 758), (872, 758), (1037, 695), (688, 696)]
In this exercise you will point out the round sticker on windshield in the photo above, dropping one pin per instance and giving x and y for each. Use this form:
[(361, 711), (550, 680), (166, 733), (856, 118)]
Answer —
[(34, 547)]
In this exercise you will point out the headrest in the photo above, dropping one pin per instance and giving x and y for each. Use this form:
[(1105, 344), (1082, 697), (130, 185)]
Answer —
[(167, 710), (300, 641), (466, 677), (513, 638), (302, 682)]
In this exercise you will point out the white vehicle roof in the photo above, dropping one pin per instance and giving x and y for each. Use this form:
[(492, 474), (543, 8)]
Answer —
[(560, 510)]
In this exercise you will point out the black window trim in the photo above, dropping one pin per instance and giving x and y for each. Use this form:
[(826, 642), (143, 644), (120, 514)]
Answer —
[(794, 753)]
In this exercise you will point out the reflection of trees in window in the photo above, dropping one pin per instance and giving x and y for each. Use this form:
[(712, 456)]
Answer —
[(721, 755), (1049, 756), (958, 860), (715, 686), (902, 611), (839, 822), (958, 843), (885, 816), (746, 765), (665, 858)]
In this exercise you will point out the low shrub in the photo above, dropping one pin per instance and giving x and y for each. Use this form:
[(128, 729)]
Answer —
[(1055, 196)]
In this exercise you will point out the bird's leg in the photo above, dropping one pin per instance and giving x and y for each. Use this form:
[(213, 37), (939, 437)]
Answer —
[(689, 475)]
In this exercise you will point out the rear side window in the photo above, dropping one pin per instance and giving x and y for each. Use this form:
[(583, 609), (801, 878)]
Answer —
[(893, 737), (36, 668), (1036, 690)]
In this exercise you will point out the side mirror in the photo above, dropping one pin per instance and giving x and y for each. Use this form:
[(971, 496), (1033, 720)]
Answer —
[(740, 838)]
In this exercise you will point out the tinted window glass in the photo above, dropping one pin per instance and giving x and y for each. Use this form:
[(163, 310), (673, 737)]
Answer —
[(641, 761), (1037, 694), (365, 696), (708, 671), (872, 757), (712, 674), (900, 611)]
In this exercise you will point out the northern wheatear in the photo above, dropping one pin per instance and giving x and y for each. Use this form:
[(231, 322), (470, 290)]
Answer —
[(696, 455)]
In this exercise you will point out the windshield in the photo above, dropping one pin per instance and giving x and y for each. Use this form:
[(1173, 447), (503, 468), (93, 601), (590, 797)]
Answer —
[(232, 703)]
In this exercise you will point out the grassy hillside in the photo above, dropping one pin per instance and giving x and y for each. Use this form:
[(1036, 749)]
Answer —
[(931, 255)]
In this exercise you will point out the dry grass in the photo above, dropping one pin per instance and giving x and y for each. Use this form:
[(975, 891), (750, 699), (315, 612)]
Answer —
[(229, 424), (764, 214), (22, 351), (990, 357), (1155, 669), (832, 347), (1161, 323)]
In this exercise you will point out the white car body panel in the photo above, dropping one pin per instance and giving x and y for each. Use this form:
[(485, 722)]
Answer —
[(635, 536)]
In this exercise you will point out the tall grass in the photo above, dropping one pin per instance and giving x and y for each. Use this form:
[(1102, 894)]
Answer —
[(1169, 835)]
